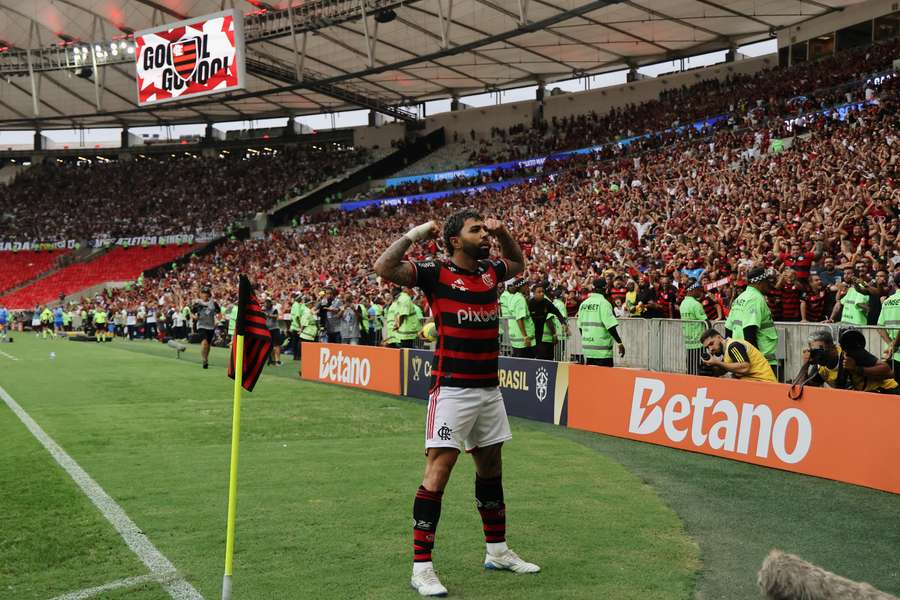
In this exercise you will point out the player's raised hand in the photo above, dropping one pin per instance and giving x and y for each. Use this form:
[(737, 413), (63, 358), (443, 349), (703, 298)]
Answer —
[(493, 226), (424, 231)]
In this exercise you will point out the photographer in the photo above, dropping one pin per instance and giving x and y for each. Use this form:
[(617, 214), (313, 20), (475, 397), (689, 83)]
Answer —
[(847, 366), (738, 357)]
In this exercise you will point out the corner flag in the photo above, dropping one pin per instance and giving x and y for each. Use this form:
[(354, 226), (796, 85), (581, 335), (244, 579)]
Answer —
[(251, 323), (244, 366)]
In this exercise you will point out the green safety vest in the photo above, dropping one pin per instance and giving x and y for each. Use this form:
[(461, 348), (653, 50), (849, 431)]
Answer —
[(364, 320), (504, 303), (595, 319), (67, 318), (100, 317), (378, 317), (518, 309), (851, 312), (560, 328), (296, 313), (694, 325), (232, 321), (390, 319), (308, 324), (747, 310), (411, 324), (890, 319)]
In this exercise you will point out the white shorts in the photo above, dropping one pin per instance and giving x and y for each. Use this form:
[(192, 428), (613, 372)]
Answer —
[(466, 418)]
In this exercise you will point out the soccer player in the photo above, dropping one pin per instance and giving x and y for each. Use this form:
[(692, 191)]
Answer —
[(465, 408), (205, 311), (4, 321)]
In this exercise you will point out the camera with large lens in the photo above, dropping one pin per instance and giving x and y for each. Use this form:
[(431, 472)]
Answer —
[(817, 356), (704, 353)]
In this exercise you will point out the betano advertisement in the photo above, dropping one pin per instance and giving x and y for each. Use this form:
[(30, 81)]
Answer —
[(366, 367), (849, 437), (533, 389), (195, 57), (846, 436)]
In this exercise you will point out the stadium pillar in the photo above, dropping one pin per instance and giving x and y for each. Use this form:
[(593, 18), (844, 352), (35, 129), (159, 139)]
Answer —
[(540, 91), (208, 134), (454, 104), (38, 140), (124, 139)]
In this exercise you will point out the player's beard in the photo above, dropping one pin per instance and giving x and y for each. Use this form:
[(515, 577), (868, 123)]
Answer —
[(476, 251)]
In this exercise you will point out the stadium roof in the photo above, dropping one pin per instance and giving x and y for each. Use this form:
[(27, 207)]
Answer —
[(432, 49)]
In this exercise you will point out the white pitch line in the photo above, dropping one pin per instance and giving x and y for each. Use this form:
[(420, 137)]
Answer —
[(158, 564), (113, 585), (9, 356)]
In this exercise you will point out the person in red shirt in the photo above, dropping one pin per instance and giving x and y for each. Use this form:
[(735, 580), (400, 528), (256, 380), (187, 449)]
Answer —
[(790, 293), (800, 261), (814, 300)]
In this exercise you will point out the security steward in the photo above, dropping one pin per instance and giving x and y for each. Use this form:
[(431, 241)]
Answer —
[(597, 324), (751, 319), (889, 319)]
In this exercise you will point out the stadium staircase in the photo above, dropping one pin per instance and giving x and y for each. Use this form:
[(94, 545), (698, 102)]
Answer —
[(411, 152), (116, 265)]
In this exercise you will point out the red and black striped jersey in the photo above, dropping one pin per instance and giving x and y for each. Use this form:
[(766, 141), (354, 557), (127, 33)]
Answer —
[(467, 315)]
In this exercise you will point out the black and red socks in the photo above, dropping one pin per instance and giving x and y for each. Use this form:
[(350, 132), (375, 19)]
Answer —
[(426, 513), (489, 499)]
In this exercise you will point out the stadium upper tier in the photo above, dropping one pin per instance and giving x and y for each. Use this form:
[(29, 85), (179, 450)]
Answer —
[(742, 99), (159, 195)]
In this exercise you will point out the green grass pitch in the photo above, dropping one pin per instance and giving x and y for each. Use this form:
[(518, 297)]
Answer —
[(327, 477)]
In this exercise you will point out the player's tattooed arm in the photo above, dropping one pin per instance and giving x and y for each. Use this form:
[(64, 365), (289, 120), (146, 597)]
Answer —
[(391, 266), (509, 247)]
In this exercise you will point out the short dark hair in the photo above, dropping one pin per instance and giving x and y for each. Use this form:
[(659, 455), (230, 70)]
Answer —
[(454, 224), (708, 334)]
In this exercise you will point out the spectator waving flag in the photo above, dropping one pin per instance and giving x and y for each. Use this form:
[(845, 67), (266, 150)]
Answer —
[(251, 324)]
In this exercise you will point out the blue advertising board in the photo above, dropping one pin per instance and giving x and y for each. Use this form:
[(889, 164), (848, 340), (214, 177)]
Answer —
[(532, 389)]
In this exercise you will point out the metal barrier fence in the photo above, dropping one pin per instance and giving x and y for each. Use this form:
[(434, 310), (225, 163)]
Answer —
[(658, 344)]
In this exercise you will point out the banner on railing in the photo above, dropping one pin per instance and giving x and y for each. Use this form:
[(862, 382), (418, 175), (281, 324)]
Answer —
[(366, 367), (846, 436), (37, 246), (532, 389)]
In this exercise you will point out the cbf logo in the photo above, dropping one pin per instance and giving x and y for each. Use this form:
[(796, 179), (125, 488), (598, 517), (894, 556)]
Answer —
[(541, 384)]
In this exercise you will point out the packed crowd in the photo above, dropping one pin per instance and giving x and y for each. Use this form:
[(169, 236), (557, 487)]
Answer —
[(816, 200), (746, 99), (823, 211), (159, 196)]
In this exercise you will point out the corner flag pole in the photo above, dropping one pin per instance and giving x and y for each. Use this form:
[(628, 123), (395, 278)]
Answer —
[(232, 479)]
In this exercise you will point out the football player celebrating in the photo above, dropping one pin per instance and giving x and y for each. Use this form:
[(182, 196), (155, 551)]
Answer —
[(465, 407)]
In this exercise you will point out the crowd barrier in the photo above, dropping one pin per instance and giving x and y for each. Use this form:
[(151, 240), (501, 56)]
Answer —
[(840, 435), (658, 344)]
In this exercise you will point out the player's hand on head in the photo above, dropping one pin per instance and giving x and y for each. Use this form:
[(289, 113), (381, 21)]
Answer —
[(493, 225)]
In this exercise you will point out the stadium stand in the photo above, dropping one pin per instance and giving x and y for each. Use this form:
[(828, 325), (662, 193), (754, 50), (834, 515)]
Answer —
[(117, 265), (718, 206), (159, 196), (17, 268)]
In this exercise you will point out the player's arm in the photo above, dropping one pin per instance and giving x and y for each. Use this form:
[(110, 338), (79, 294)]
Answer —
[(391, 266), (509, 248)]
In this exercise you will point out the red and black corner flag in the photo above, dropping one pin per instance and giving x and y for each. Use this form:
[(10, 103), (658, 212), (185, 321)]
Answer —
[(251, 323)]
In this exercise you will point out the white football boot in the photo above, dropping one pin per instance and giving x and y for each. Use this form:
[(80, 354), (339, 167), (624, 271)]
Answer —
[(508, 560), (426, 582)]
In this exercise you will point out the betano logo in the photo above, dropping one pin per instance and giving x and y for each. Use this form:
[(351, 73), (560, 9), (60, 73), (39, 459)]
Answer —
[(731, 433), (344, 369)]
